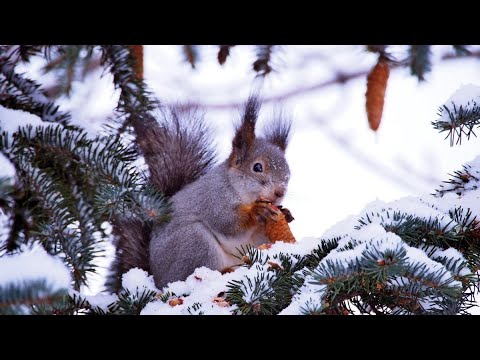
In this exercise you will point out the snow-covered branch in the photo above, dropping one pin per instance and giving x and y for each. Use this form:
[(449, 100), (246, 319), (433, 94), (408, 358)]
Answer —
[(460, 114), (31, 277)]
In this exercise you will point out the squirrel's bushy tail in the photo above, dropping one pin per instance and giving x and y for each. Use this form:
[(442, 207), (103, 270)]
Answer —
[(178, 149)]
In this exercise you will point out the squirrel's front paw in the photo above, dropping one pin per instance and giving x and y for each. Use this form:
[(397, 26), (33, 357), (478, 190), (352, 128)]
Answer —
[(266, 211), (288, 214)]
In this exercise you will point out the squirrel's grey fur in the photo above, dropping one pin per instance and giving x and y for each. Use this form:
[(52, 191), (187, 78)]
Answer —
[(205, 228)]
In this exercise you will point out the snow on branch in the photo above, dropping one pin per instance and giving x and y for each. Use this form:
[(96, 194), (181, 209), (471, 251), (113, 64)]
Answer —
[(57, 166), (416, 255), (462, 181), (460, 114), (31, 277)]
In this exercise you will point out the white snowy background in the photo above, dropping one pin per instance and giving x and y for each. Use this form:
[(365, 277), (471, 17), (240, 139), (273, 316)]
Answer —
[(338, 164)]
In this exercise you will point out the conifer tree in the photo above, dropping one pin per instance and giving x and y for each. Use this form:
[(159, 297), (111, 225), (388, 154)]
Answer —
[(413, 256)]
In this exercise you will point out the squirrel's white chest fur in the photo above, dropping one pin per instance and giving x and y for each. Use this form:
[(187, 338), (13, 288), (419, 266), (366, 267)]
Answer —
[(228, 247)]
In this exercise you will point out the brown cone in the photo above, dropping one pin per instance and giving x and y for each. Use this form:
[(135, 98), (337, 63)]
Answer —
[(137, 51), (375, 96), (279, 231)]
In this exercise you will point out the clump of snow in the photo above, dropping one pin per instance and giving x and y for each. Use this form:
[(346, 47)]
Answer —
[(32, 264), (302, 248), (204, 286), (381, 213), (455, 256), (101, 301), (308, 297), (4, 227), (138, 280), (466, 96), (474, 164), (415, 255)]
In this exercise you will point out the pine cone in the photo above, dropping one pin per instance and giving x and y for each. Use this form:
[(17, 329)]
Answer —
[(137, 50), (280, 230), (375, 96)]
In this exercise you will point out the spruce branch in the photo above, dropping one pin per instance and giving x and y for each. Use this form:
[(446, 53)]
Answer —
[(65, 176), (20, 93), (461, 181), (133, 303), (21, 226), (461, 121), (72, 63), (459, 230), (23, 53), (375, 275), (262, 64), (254, 296), (135, 101), (420, 60), (461, 50), (17, 298)]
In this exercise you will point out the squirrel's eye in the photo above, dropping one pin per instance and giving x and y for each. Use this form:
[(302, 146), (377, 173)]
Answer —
[(257, 167)]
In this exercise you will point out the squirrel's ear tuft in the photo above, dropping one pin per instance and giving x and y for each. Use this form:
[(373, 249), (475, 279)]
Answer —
[(278, 131), (245, 131)]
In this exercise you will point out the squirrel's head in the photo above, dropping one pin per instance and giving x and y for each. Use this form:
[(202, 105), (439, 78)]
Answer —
[(259, 162)]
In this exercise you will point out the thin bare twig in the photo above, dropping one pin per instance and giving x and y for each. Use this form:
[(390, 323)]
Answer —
[(339, 79)]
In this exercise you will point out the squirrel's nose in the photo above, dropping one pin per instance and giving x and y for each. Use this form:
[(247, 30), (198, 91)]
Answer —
[(279, 192)]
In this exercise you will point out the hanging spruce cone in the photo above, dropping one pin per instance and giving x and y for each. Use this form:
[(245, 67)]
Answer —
[(375, 96), (137, 51)]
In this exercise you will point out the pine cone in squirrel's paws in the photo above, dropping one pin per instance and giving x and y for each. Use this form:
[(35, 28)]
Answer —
[(279, 230)]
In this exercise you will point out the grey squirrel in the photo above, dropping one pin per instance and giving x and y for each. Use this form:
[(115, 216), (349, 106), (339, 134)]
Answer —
[(214, 209)]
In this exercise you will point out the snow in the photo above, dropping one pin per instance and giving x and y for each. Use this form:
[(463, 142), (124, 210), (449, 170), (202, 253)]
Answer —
[(6, 171), (475, 164), (377, 211), (466, 96), (455, 256), (4, 227), (11, 120), (308, 296), (415, 255), (101, 301), (6, 167), (203, 286), (138, 280), (32, 264)]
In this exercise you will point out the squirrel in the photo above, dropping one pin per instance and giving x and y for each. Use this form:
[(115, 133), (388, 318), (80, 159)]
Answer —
[(215, 209)]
